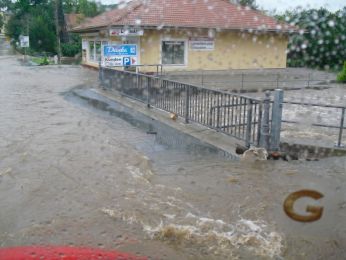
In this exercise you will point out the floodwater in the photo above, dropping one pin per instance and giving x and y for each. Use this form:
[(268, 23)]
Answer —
[(305, 131), (74, 174)]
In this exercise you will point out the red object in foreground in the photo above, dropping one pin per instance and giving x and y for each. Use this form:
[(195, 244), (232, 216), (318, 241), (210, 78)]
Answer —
[(65, 253)]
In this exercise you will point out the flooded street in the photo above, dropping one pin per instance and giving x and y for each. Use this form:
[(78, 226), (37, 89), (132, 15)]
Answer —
[(73, 174)]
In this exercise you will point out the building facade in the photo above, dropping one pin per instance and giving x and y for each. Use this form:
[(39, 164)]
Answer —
[(183, 35)]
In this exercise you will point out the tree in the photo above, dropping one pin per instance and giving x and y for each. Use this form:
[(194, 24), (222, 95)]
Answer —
[(249, 3), (36, 19), (86, 7), (322, 41), (1, 21), (5, 4)]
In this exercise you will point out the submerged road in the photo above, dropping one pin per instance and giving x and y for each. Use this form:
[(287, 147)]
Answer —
[(72, 174)]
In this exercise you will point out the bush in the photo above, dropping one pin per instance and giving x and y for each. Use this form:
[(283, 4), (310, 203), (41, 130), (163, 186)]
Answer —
[(73, 47), (45, 61), (342, 75)]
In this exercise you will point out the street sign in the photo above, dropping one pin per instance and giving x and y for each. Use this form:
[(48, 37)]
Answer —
[(126, 32), (120, 55), (24, 41), (120, 50), (202, 44), (113, 61), (128, 61)]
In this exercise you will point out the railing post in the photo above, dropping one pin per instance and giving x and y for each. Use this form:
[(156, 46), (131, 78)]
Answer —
[(341, 127), (187, 104), (242, 81), (248, 123), (148, 91), (265, 135), (276, 120), (218, 114), (277, 80), (100, 72), (202, 74)]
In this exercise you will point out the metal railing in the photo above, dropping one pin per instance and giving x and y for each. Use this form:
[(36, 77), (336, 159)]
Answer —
[(232, 114), (254, 121), (251, 81), (334, 112), (137, 68)]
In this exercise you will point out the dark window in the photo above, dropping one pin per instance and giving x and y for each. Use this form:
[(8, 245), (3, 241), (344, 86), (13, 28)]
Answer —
[(173, 52)]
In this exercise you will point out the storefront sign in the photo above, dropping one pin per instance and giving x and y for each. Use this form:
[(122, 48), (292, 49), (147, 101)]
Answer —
[(202, 44), (122, 50), (120, 55), (126, 32), (24, 41)]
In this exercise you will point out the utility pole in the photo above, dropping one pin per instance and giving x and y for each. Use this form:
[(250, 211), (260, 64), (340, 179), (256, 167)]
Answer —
[(57, 30)]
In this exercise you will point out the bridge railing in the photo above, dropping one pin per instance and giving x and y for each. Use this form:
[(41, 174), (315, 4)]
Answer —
[(232, 114), (317, 115)]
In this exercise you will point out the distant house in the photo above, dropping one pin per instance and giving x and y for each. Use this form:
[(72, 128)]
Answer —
[(73, 20), (185, 35)]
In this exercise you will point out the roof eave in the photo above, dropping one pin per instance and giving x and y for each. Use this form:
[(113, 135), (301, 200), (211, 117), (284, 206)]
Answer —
[(152, 27)]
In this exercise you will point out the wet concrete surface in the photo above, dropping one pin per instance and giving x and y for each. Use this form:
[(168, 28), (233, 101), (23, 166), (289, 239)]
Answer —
[(74, 174)]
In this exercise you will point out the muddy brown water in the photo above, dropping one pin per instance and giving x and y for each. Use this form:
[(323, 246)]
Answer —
[(74, 174)]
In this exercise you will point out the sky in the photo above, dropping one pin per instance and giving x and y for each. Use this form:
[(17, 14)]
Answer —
[(282, 5)]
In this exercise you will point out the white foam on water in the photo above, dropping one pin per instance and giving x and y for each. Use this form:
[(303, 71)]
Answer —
[(222, 238), (216, 235), (139, 175)]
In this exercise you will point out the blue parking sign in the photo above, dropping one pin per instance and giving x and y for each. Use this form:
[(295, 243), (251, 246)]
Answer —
[(127, 61)]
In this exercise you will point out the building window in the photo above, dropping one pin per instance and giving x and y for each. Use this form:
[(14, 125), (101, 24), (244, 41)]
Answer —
[(173, 52), (98, 51), (92, 51)]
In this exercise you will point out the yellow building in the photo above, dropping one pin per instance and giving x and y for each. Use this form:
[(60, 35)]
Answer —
[(185, 35)]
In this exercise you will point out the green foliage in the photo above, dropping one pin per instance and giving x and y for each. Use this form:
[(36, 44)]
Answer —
[(86, 7), (342, 75), (250, 3), (5, 4), (73, 47), (40, 60), (36, 18), (42, 29), (322, 40), (1, 21), (45, 61)]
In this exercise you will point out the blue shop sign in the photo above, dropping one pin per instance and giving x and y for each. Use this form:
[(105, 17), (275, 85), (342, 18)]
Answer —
[(120, 50)]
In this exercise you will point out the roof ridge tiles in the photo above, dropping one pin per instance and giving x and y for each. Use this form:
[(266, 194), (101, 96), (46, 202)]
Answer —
[(218, 14)]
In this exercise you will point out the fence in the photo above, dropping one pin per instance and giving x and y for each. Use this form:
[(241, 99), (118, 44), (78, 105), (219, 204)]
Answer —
[(251, 81), (235, 115), (329, 116)]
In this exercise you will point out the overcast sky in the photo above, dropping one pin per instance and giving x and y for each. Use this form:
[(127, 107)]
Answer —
[(281, 5)]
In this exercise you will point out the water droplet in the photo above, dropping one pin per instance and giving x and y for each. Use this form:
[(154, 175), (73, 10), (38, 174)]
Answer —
[(331, 23)]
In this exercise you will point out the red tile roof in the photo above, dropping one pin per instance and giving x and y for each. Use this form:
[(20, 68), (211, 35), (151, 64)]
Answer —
[(73, 20), (218, 14)]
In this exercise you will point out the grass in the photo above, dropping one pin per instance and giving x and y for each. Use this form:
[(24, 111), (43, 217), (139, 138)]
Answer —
[(40, 60)]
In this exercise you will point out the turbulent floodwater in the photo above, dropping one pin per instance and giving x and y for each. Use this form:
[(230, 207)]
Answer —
[(72, 174)]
